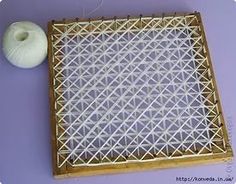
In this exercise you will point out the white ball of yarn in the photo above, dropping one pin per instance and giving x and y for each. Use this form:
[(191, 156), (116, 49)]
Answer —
[(25, 44)]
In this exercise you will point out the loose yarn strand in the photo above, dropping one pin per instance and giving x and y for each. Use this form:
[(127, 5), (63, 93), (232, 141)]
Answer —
[(99, 5)]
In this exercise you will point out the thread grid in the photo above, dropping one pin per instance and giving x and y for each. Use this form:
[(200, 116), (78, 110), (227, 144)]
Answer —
[(133, 90)]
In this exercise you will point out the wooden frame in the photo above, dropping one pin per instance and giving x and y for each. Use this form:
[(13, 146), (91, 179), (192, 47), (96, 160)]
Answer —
[(68, 170)]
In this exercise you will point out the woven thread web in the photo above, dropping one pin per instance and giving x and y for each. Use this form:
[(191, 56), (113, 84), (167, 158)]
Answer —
[(131, 90)]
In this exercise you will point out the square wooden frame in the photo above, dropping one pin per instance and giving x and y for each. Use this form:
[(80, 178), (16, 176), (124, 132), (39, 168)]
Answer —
[(68, 170)]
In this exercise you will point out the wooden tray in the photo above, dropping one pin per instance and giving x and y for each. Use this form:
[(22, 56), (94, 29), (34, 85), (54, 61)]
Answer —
[(131, 94)]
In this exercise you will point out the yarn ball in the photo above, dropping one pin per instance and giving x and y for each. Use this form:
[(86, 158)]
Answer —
[(25, 44)]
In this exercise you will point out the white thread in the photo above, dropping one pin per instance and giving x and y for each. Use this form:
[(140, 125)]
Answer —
[(92, 11), (133, 94), (25, 44), (112, 119)]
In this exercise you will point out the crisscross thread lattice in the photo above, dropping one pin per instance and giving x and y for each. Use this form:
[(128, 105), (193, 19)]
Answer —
[(133, 90)]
